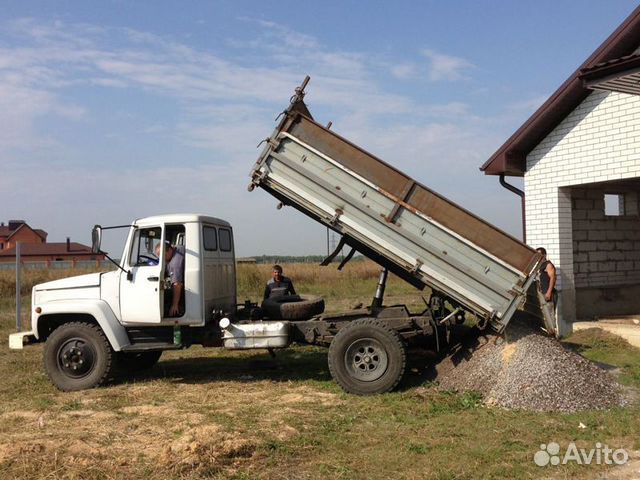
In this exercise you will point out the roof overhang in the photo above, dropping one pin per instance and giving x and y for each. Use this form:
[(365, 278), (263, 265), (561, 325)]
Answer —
[(510, 163), (618, 75), (510, 158)]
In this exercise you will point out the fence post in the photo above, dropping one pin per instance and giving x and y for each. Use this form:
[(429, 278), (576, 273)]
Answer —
[(18, 280)]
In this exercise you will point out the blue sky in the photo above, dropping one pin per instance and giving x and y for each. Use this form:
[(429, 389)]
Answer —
[(112, 110)]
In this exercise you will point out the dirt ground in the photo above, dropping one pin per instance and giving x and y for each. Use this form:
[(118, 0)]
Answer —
[(217, 414), (167, 438), (207, 413)]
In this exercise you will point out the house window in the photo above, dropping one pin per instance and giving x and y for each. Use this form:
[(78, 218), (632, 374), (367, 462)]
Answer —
[(620, 204), (613, 204)]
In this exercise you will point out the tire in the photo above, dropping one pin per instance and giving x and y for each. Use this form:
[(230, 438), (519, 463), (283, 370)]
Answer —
[(78, 356), (131, 362), (367, 357), (293, 307)]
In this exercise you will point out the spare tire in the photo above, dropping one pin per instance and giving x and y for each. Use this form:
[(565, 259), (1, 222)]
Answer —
[(293, 307)]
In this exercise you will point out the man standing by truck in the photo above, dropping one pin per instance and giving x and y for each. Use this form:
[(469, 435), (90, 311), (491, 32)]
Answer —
[(547, 293), (279, 285)]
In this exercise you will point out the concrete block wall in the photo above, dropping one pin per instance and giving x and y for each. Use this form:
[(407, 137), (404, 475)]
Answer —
[(598, 142), (606, 249)]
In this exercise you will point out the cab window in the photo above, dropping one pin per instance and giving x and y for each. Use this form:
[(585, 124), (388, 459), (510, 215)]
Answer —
[(210, 238), (145, 242), (225, 239)]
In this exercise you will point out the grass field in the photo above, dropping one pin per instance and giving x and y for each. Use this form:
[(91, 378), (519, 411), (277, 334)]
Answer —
[(208, 413)]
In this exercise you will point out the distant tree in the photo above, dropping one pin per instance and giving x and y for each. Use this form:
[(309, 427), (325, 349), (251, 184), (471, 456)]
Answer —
[(273, 259)]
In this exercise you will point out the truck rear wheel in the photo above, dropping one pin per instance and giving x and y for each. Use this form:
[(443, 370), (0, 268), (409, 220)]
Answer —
[(77, 356), (366, 357)]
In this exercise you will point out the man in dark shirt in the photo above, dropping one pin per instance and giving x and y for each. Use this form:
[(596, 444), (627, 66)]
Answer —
[(279, 285), (547, 293)]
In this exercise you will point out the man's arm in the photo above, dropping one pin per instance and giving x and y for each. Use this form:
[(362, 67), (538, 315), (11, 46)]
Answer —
[(551, 271), (292, 291), (267, 291), (177, 288)]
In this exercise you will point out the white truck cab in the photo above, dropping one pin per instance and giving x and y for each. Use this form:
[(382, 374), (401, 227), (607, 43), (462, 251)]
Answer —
[(136, 292), (122, 306)]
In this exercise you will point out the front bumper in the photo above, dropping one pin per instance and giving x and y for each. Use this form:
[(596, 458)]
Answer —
[(18, 340)]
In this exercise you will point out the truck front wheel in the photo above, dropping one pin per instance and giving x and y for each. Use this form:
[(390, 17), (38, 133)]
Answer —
[(366, 357), (77, 356)]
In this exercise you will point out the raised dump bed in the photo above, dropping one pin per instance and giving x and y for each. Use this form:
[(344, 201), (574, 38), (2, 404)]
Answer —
[(391, 218)]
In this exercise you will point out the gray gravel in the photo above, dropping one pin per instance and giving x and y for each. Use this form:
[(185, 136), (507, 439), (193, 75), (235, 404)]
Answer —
[(529, 371)]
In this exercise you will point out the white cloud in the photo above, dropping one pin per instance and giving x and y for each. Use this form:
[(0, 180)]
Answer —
[(108, 82), (446, 67), (224, 103), (20, 107), (451, 109), (404, 71), (277, 36), (115, 198)]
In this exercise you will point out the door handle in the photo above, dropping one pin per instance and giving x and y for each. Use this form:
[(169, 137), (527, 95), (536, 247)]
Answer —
[(153, 279)]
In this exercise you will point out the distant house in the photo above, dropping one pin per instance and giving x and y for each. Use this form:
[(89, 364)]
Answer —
[(19, 231), (34, 246), (579, 154)]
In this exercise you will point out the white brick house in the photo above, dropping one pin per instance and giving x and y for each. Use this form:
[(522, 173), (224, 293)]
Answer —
[(580, 157)]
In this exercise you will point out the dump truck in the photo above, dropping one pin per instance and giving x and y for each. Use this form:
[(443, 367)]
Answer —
[(94, 324)]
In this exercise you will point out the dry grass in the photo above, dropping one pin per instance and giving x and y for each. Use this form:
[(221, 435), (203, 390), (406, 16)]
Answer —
[(209, 413), (33, 277), (310, 277), (354, 284)]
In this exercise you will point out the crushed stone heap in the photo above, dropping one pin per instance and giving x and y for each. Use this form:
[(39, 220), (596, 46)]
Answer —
[(529, 371)]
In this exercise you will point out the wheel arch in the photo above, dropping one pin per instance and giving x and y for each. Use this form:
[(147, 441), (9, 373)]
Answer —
[(97, 313), (48, 323)]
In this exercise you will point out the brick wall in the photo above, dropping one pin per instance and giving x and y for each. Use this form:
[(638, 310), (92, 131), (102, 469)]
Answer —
[(598, 142), (606, 249), (24, 235)]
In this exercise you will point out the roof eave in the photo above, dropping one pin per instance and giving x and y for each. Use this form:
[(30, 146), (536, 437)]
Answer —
[(507, 163), (504, 161), (539, 125)]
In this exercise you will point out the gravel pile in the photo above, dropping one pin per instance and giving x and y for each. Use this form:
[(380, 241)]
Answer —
[(529, 371)]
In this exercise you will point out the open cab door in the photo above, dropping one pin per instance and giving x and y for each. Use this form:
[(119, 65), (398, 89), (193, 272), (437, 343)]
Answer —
[(141, 290)]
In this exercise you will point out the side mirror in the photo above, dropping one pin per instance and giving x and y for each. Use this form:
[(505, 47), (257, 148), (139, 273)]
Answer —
[(96, 239)]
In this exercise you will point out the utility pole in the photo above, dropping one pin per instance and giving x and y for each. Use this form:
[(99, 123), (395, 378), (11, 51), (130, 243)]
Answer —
[(328, 246), (18, 299), (332, 243)]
